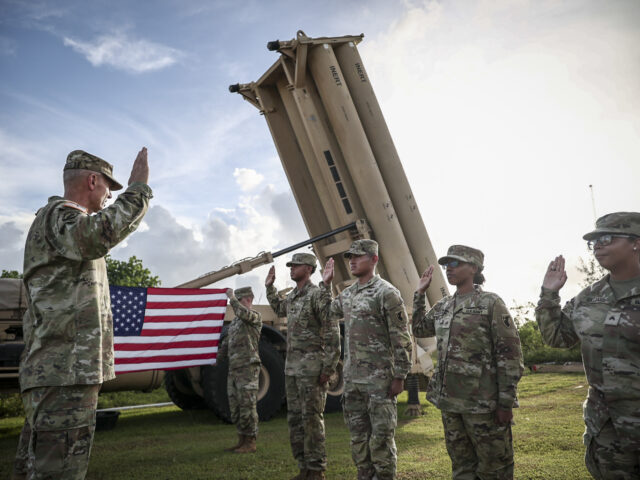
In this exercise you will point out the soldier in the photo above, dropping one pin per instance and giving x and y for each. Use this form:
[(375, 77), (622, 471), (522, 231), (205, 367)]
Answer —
[(479, 366), (68, 327), (605, 319), (313, 351), (377, 358), (241, 346)]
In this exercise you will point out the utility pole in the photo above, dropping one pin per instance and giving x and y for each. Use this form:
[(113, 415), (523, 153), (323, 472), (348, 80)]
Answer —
[(593, 203)]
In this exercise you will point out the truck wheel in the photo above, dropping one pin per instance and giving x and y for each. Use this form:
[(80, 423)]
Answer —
[(271, 390), (336, 388), (180, 392)]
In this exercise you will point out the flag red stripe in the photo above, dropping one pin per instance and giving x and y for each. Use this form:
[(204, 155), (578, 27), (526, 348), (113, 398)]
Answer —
[(190, 304), (178, 331), (184, 291), (184, 318), (133, 347), (166, 358)]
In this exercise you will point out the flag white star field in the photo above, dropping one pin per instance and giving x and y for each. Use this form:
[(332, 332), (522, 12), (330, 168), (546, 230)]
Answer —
[(166, 328)]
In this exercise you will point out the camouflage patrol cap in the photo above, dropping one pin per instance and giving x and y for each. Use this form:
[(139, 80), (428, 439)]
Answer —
[(362, 247), (302, 259), (463, 254), (243, 292), (625, 223), (79, 159)]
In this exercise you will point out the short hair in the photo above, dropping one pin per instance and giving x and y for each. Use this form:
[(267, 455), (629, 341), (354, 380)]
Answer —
[(70, 177)]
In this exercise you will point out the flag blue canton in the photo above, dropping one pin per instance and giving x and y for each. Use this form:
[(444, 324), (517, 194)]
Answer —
[(128, 305)]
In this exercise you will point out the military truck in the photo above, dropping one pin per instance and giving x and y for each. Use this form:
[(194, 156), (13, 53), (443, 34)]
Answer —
[(348, 182)]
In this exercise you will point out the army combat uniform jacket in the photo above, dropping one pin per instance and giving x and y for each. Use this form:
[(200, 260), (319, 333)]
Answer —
[(241, 344), (377, 343), (479, 354), (313, 338), (68, 327), (609, 332)]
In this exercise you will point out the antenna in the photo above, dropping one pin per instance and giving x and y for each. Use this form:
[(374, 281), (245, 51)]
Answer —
[(593, 203)]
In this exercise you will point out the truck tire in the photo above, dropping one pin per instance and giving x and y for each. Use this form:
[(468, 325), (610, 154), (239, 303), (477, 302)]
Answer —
[(336, 388), (271, 391), (180, 392)]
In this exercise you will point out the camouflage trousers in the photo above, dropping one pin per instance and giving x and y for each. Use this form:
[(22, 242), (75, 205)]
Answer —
[(607, 459), (305, 416), (242, 391), (57, 435), (371, 417), (478, 447)]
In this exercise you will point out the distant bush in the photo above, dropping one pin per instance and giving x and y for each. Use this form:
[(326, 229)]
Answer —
[(535, 351), (11, 405)]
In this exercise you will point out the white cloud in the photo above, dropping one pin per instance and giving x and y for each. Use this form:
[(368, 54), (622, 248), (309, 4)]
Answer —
[(247, 178), (125, 53)]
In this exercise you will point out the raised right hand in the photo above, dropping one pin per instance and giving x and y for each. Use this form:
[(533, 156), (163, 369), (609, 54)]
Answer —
[(327, 273), (271, 277), (425, 280), (140, 169), (556, 275)]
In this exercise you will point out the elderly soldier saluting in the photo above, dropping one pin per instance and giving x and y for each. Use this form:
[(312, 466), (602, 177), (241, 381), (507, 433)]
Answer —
[(313, 351), (479, 366), (605, 319), (68, 327), (377, 358), (241, 346)]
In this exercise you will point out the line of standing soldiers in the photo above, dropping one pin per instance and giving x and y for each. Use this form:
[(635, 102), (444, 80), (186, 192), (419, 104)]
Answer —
[(479, 357)]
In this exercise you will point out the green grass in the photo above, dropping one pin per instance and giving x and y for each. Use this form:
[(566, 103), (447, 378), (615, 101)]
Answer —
[(167, 443)]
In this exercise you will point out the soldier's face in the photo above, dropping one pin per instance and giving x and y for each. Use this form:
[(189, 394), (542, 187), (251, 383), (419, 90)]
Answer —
[(361, 265), (299, 272), (100, 192), (461, 273), (618, 253), (247, 301)]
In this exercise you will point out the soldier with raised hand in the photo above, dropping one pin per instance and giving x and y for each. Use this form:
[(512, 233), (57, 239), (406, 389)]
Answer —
[(479, 366), (241, 346), (377, 359), (68, 327), (605, 319), (313, 352)]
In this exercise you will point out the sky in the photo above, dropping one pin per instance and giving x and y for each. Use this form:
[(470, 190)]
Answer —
[(503, 114)]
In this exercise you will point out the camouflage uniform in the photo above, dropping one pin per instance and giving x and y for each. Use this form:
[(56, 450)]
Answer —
[(313, 348), (479, 366), (68, 327), (241, 346), (377, 350), (608, 329)]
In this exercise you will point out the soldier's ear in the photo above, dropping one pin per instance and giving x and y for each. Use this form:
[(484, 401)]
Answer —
[(92, 181)]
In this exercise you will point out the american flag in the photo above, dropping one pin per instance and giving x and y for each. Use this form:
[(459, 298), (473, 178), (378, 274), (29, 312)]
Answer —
[(166, 328)]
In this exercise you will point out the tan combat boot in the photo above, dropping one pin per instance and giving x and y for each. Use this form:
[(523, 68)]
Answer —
[(249, 445), (315, 475), (240, 442), (302, 475)]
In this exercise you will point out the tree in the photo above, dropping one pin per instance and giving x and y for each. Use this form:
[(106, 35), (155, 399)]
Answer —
[(130, 273), (591, 270), (10, 274)]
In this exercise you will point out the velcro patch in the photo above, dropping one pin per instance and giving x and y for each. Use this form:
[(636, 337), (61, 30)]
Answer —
[(596, 299), (476, 311), (506, 319)]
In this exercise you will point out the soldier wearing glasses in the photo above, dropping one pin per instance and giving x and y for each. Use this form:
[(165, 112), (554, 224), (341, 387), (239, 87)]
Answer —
[(605, 319), (479, 366)]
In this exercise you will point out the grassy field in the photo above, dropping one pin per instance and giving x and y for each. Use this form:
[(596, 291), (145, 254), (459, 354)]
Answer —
[(167, 443)]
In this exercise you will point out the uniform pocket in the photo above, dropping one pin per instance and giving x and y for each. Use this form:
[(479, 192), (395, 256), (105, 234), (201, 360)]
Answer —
[(463, 377)]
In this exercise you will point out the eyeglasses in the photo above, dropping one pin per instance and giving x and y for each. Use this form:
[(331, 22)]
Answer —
[(605, 240), (452, 264)]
